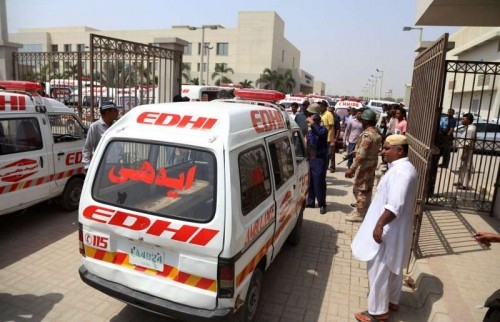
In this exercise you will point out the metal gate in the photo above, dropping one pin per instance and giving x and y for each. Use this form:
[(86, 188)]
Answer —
[(470, 87), (126, 73), (426, 96)]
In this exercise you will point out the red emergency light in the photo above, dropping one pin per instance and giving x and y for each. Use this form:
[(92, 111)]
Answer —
[(259, 94), (20, 86)]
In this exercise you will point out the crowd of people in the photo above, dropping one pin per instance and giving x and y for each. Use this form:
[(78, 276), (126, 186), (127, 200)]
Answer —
[(384, 236)]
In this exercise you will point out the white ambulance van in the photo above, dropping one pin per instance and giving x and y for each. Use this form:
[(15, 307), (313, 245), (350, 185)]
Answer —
[(200, 92), (41, 143), (289, 99), (200, 203)]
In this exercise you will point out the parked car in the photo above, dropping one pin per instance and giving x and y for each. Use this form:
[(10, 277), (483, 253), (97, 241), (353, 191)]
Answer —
[(487, 138)]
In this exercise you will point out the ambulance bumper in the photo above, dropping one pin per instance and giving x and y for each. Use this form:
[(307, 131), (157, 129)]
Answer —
[(152, 303)]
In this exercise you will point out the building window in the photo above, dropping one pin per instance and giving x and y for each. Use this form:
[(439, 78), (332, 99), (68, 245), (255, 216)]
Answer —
[(483, 80), (188, 49), (31, 48), (222, 48), (54, 48), (282, 56), (67, 47), (80, 47), (198, 67)]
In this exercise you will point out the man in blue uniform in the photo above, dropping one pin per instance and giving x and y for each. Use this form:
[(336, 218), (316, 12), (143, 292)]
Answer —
[(317, 147)]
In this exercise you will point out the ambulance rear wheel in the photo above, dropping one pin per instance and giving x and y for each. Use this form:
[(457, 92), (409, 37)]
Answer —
[(70, 198), (252, 299)]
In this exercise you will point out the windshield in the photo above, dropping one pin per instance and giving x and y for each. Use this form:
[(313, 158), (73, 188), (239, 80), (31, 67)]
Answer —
[(165, 180)]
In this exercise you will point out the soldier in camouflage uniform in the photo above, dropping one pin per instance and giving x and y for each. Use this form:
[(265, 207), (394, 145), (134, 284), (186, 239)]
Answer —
[(365, 162)]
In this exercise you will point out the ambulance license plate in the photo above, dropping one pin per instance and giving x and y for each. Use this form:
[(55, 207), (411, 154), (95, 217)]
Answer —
[(148, 257)]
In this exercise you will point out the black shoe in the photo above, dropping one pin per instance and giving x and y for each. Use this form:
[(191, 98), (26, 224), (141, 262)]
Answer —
[(309, 206), (322, 210), (353, 205), (442, 166)]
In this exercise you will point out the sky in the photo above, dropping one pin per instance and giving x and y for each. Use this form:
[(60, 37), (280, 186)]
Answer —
[(342, 42)]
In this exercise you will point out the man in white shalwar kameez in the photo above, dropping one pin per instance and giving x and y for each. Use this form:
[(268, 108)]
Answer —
[(383, 239)]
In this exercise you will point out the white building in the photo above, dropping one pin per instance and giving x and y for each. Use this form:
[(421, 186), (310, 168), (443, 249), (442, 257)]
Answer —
[(256, 43)]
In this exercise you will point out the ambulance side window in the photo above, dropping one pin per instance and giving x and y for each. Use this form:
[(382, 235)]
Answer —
[(20, 135), (298, 143), (255, 183), (282, 160), (65, 128)]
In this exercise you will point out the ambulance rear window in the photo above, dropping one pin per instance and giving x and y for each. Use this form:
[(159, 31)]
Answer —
[(164, 180)]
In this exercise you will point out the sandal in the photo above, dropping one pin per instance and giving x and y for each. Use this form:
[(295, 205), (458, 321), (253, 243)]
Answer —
[(393, 307), (367, 317)]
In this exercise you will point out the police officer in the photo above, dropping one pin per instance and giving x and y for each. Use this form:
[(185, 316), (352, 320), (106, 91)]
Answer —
[(367, 149), (317, 147)]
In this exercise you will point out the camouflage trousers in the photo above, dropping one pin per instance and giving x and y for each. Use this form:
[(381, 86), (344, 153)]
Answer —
[(363, 200)]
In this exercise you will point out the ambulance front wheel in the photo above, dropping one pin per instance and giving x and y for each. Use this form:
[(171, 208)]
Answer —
[(70, 197), (252, 299)]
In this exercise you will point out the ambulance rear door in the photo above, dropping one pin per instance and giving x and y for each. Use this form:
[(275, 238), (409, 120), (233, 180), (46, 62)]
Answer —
[(26, 161), (160, 208)]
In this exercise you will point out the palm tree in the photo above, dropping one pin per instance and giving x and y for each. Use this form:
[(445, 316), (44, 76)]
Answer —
[(288, 83), (246, 83), (186, 72), (195, 81), (270, 79), (220, 70)]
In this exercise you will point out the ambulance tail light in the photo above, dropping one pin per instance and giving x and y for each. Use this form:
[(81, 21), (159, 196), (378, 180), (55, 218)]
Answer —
[(225, 272), (259, 94), (80, 240)]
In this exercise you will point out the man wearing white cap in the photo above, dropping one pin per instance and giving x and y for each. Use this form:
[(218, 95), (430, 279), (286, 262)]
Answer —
[(109, 114), (383, 239)]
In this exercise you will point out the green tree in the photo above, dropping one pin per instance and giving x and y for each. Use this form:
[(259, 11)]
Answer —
[(186, 72), (220, 70), (195, 81), (269, 79), (246, 83), (287, 83)]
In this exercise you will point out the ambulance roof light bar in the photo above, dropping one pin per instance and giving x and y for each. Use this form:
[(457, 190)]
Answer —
[(20, 86), (259, 94)]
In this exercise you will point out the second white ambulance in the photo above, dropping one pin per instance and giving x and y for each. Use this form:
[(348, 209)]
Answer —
[(196, 207), (41, 143)]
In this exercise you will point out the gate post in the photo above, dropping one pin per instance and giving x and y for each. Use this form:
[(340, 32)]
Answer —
[(6, 48), (172, 87)]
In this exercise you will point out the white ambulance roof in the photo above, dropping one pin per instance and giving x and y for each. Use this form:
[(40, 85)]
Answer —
[(233, 123), (12, 102)]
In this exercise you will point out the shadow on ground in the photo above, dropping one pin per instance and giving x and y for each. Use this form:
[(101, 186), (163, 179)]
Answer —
[(35, 229)]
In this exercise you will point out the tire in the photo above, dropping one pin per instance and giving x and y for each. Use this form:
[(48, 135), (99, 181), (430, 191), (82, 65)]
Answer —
[(70, 198), (252, 300), (294, 237)]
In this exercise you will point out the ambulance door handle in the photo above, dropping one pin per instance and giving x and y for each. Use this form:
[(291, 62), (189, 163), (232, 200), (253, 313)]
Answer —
[(41, 162), (60, 154)]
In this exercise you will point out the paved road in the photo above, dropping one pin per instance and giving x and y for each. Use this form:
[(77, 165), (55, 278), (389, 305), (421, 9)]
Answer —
[(314, 281)]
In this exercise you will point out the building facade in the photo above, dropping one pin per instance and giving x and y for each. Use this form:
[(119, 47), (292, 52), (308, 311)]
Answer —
[(257, 43)]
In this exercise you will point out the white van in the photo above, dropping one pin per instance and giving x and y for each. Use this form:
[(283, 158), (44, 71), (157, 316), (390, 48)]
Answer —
[(195, 209), (288, 100), (200, 92), (41, 143), (377, 104)]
